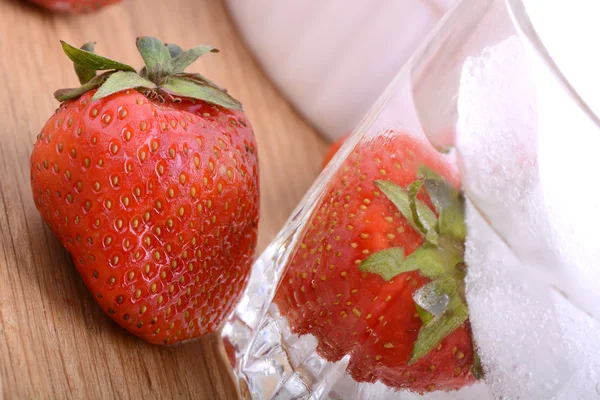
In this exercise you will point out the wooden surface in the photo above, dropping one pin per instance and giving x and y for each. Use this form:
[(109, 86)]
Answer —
[(55, 343)]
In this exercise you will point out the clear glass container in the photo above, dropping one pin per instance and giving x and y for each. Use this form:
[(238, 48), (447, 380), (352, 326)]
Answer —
[(448, 250)]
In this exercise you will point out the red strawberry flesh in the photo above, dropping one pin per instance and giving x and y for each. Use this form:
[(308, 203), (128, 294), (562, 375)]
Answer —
[(74, 6)]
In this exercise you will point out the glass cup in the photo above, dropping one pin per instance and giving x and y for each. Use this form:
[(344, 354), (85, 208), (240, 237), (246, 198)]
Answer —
[(447, 251)]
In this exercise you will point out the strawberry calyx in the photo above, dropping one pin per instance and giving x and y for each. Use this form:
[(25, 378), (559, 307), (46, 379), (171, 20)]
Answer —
[(163, 76), (440, 303), (85, 74)]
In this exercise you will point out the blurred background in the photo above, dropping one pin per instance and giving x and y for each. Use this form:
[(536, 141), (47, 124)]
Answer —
[(332, 59)]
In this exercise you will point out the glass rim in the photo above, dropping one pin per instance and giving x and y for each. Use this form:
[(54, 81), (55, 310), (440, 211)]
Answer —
[(525, 28)]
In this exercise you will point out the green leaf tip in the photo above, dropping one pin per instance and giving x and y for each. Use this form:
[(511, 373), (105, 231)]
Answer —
[(89, 47), (432, 334), (85, 75), (195, 90), (416, 212), (91, 61), (174, 50), (70, 94), (477, 369), (399, 197), (424, 315), (186, 58), (422, 215), (449, 203)]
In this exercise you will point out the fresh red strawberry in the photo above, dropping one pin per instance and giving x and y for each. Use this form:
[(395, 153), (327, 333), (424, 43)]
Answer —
[(74, 6), (150, 181), (379, 273), (333, 149)]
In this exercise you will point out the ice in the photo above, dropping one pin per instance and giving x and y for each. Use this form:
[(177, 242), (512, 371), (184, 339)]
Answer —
[(533, 342), (280, 365), (514, 325), (581, 335), (497, 146), (347, 389)]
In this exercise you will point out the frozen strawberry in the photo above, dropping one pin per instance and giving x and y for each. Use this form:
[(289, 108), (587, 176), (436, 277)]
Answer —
[(379, 273)]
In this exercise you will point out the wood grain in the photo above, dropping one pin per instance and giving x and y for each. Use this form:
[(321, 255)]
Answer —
[(55, 343)]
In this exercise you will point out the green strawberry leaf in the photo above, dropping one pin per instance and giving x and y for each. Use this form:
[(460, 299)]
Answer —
[(429, 260), (417, 213), (120, 81), (188, 88), (413, 190), (400, 198), (185, 59), (85, 75), (70, 94), (198, 78), (425, 315), (157, 58), (385, 263), (455, 314), (452, 222), (91, 61), (439, 191), (477, 369), (424, 218), (448, 202), (174, 50), (425, 173)]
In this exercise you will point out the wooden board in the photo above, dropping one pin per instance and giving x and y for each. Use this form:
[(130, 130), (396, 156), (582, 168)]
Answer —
[(55, 343)]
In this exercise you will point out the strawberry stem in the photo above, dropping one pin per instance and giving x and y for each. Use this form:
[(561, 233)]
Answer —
[(157, 58)]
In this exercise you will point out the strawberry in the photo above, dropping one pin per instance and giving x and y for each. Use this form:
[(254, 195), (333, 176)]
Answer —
[(150, 181), (333, 149), (379, 272), (74, 6)]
